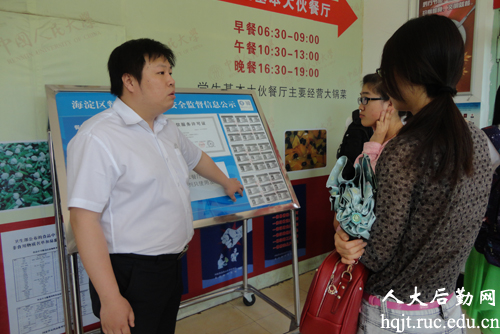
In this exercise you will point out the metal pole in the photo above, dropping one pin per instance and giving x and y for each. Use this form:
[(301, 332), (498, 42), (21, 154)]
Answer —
[(61, 246), (295, 266), (75, 291), (245, 255)]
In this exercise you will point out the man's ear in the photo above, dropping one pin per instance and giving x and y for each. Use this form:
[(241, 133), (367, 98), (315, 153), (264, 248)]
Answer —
[(129, 82)]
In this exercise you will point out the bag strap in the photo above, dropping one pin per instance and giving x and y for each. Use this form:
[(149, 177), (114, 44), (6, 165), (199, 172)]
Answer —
[(345, 280), (330, 288)]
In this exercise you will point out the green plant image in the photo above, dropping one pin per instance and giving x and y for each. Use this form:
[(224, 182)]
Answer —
[(25, 179)]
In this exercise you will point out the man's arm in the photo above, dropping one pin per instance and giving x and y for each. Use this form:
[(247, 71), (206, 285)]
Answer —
[(207, 168), (116, 312)]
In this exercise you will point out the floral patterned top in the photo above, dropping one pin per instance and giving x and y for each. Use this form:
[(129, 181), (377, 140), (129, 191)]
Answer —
[(424, 230)]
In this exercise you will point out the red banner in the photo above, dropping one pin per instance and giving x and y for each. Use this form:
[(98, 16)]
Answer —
[(496, 4), (338, 13)]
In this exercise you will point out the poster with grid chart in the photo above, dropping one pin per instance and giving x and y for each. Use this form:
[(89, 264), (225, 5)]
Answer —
[(227, 125)]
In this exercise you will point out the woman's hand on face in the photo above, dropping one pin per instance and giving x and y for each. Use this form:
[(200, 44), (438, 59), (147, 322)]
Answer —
[(382, 126), (349, 250)]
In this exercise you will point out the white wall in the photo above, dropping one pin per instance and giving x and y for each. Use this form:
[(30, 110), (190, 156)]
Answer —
[(483, 60), (383, 17)]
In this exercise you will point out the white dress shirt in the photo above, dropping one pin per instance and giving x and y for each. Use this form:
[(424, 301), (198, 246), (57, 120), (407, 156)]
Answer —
[(136, 177)]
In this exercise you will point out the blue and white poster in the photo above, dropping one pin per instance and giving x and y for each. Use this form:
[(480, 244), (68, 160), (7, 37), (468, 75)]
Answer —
[(222, 252), (228, 127)]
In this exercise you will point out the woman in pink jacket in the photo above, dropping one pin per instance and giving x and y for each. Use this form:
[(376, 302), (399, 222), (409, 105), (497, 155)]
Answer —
[(377, 111)]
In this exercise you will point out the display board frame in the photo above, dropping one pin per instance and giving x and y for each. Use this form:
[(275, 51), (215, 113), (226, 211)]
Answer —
[(55, 127), (277, 179)]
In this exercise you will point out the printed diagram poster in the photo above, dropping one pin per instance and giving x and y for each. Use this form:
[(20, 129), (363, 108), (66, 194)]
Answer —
[(462, 12), (278, 235), (222, 252), (33, 283)]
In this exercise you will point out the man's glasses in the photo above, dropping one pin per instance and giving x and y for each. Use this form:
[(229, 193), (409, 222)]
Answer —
[(364, 100)]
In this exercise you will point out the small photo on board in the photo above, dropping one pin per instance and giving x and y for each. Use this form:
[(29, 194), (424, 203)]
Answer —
[(252, 190), (264, 177), (249, 179), (257, 200), (238, 148), (305, 149)]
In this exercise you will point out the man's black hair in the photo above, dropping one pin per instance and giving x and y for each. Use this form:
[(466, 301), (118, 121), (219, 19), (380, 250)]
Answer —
[(130, 58)]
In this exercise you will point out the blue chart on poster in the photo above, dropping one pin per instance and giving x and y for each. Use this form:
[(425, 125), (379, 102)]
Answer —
[(227, 127), (278, 236), (222, 252)]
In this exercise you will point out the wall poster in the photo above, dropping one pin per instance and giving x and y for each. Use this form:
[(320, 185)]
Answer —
[(222, 252), (277, 234), (305, 149), (31, 272), (462, 12), (25, 179)]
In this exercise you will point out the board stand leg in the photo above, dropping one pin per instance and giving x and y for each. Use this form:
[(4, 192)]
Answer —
[(248, 296), (295, 270), (75, 290), (61, 245), (247, 290)]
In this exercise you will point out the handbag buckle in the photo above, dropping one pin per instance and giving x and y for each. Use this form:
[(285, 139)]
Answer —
[(349, 273), (332, 289)]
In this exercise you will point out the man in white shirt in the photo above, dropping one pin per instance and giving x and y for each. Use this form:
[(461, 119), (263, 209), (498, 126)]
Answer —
[(129, 202)]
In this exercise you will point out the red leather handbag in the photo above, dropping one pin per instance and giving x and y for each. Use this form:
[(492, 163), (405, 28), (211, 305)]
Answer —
[(334, 298)]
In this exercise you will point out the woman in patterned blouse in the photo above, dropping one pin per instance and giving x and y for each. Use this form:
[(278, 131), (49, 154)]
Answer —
[(434, 179)]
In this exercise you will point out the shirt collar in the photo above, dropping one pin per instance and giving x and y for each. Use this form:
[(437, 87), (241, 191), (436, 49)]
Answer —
[(130, 117)]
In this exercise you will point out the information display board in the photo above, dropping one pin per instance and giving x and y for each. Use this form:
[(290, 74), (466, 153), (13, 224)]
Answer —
[(226, 124), (229, 126)]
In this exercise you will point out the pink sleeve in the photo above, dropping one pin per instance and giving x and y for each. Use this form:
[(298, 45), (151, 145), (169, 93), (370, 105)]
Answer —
[(373, 150)]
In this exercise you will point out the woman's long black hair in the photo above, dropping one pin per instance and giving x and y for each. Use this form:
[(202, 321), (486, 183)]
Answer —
[(429, 51)]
